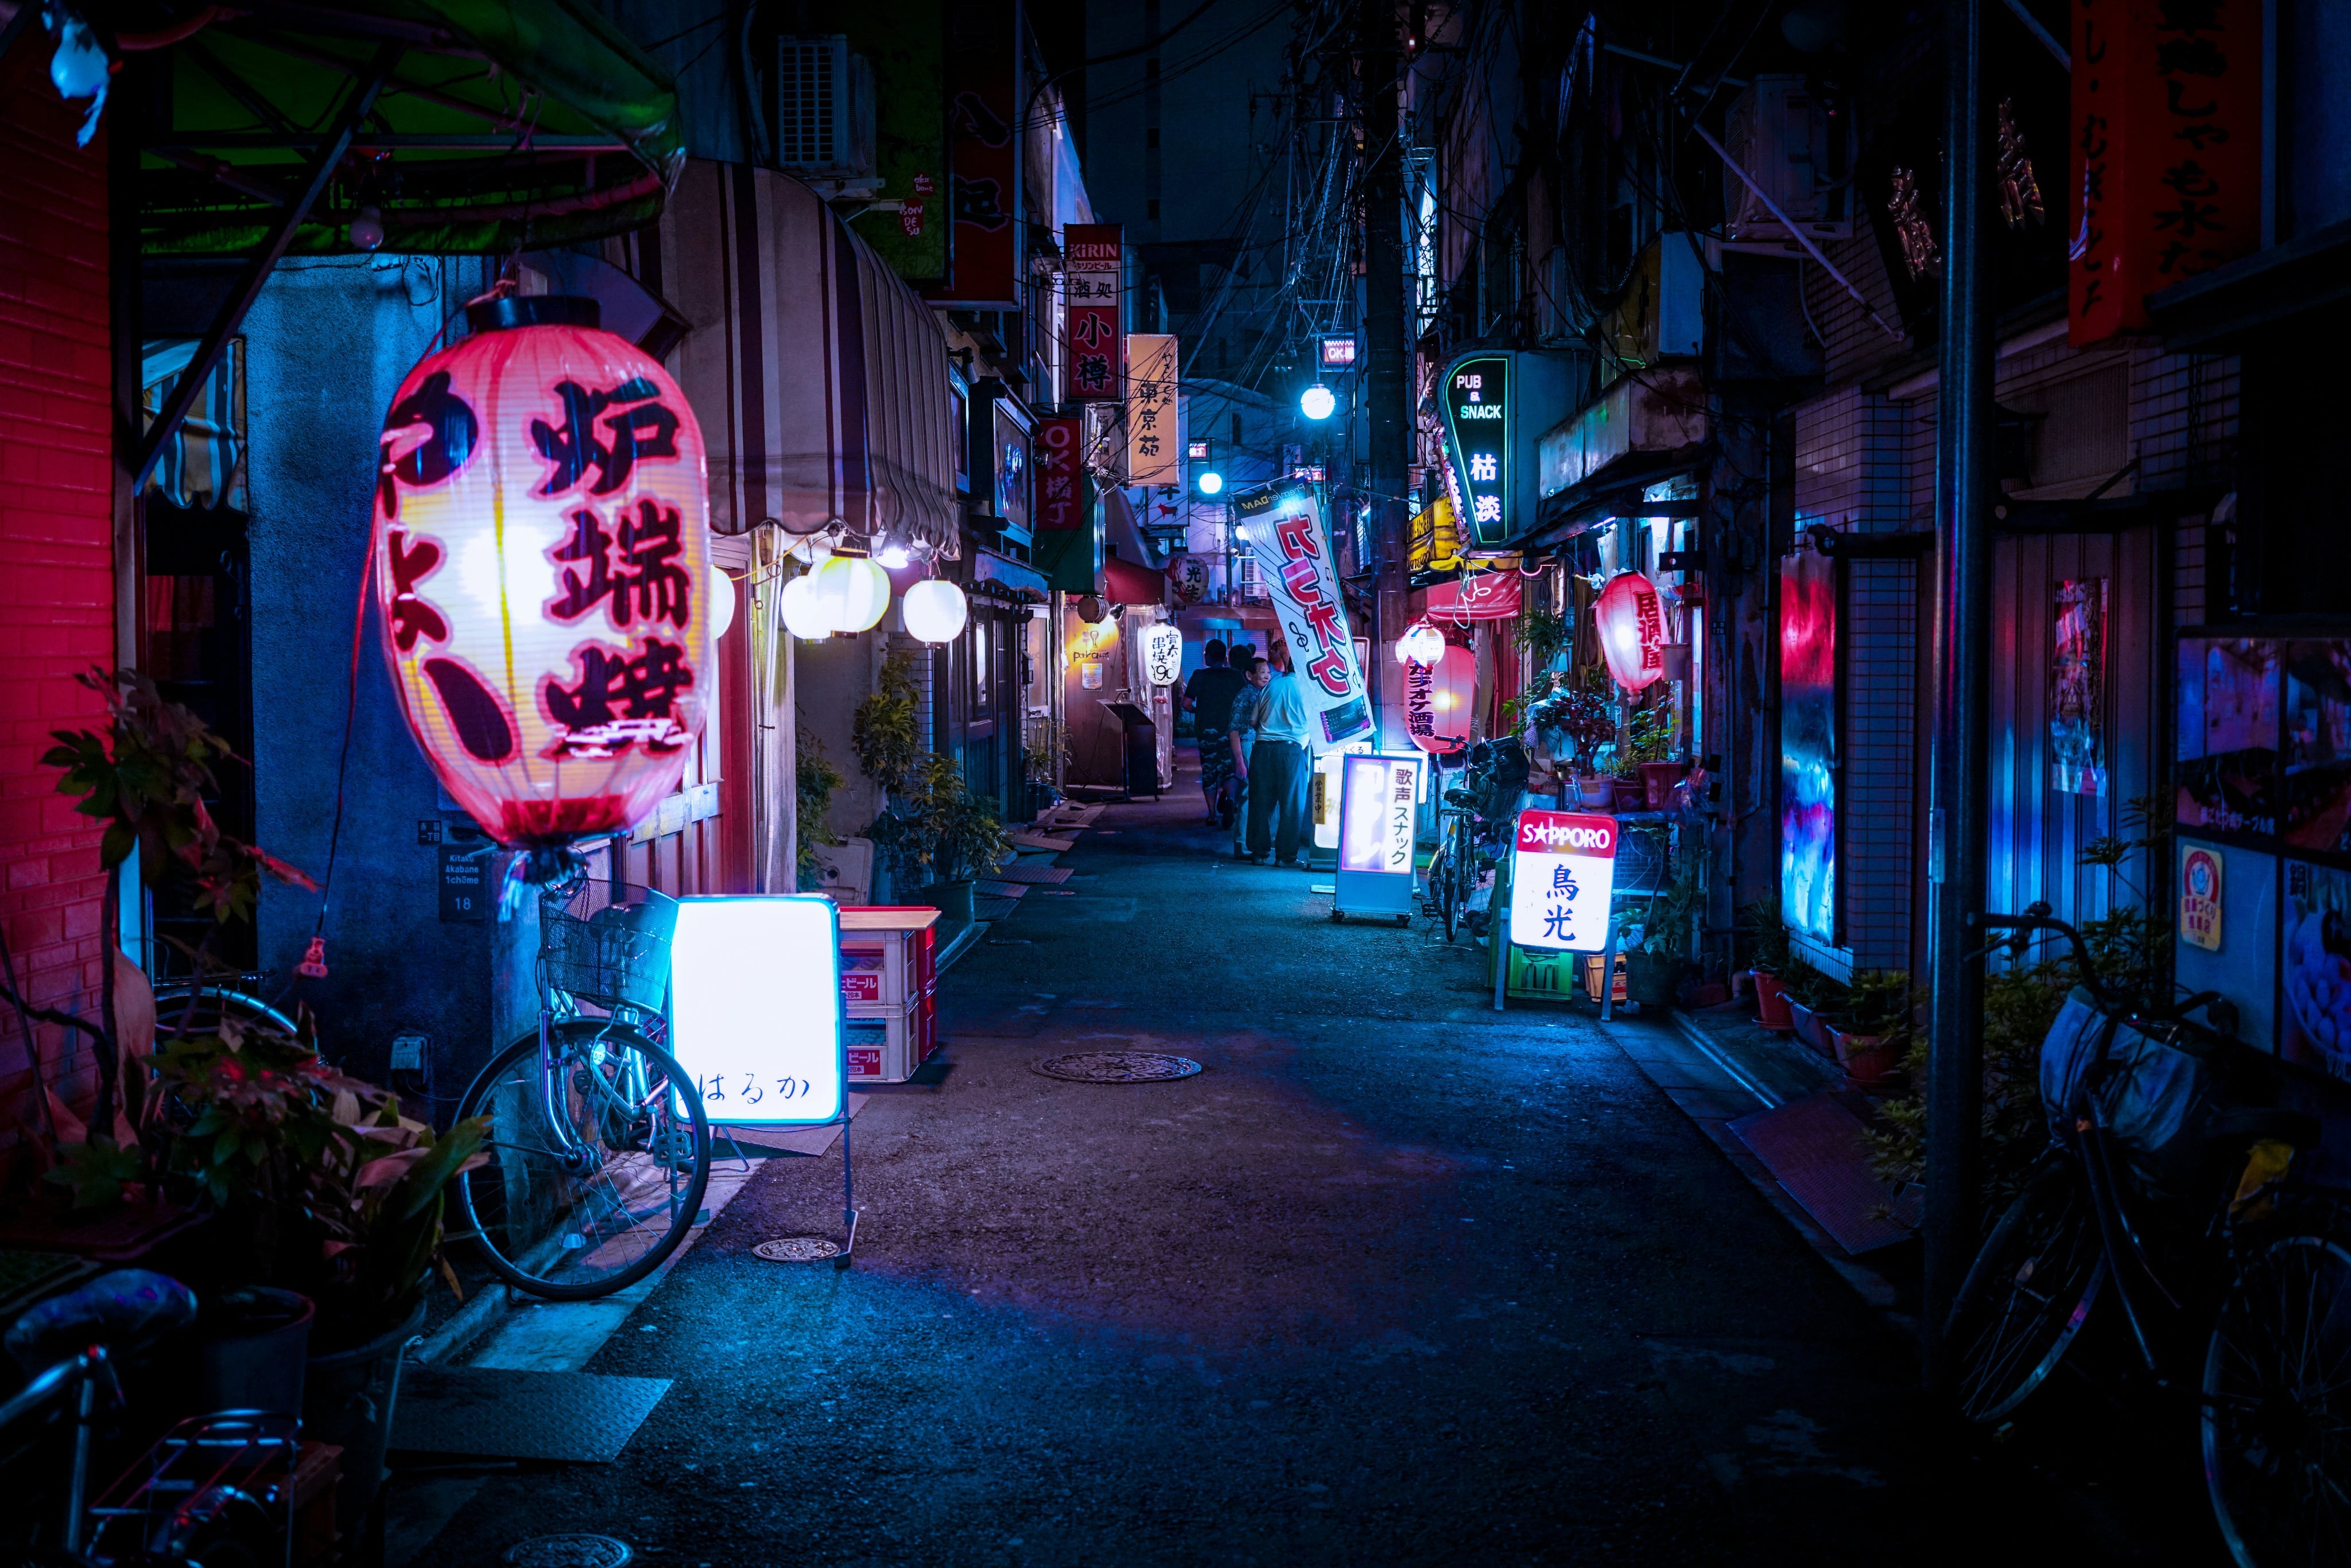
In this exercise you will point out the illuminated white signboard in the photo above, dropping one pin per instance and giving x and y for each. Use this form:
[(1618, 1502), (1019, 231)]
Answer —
[(755, 989), (1562, 872)]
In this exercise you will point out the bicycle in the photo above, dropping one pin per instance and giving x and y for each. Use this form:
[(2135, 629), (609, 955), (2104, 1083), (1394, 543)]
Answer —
[(215, 1490), (599, 1151), (2166, 1179), (1471, 821)]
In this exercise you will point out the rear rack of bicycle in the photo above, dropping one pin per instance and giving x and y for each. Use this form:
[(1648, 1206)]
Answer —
[(199, 1477)]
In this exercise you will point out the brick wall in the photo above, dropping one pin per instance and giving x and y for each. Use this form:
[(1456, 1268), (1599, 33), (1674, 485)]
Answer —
[(57, 594)]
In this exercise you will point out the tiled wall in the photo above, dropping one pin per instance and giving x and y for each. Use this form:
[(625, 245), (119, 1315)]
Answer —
[(57, 595)]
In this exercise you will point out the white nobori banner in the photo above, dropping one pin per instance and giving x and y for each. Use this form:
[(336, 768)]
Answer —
[(1281, 526)]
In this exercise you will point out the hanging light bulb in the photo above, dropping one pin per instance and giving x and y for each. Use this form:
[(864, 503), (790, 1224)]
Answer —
[(892, 556), (367, 229), (853, 593), (803, 613), (722, 602), (935, 610), (1422, 645), (1317, 402)]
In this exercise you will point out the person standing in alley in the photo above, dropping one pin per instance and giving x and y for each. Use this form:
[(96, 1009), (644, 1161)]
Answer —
[(1212, 693), (1241, 733), (1278, 767)]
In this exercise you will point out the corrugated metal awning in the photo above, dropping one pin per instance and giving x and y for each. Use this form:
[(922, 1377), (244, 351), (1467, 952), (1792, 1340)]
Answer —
[(820, 378)]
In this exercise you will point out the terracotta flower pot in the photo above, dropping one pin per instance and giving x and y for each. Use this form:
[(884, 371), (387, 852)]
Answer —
[(1772, 1002), (1631, 795), (1657, 781), (1595, 791), (1867, 1059)]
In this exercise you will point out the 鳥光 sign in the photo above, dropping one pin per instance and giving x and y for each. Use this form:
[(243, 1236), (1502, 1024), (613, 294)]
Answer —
[(1280, 525), (754, 1063), (1092, 280), (1376, 797), (1476, 402), (1562, 872), (2165, 153), (1153, 455)]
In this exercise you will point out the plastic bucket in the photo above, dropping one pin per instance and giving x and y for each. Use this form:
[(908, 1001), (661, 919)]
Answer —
[(252, 1349), (349, 1404)]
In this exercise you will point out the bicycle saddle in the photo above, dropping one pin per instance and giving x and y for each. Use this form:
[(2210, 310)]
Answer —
[(126, 1311)]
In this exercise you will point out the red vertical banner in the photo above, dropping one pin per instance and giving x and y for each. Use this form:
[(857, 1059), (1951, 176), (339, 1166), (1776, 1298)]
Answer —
[(984, 159), (1092, 277), (2166, 155), (1058, 499)]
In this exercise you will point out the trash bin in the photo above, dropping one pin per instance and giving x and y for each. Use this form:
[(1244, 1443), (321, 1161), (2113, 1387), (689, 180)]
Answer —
[(1141, 748)]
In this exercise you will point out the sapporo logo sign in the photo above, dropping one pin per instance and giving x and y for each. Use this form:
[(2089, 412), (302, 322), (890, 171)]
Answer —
[(1562, 874)]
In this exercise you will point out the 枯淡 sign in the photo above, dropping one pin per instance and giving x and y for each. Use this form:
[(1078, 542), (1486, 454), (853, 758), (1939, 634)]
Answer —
[(1562, 873), (1477, 401), (1281, 526)]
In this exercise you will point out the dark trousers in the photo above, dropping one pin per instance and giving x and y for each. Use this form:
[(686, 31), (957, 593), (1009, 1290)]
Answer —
[(1278, 774)]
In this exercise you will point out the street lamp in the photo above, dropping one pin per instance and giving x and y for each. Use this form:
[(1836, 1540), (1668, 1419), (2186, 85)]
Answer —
[(1317, 402), (1210, 482)]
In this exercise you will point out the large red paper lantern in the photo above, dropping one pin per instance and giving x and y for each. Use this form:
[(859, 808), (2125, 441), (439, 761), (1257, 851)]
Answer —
[(541, 567), (1632, 621), (1439, 698)]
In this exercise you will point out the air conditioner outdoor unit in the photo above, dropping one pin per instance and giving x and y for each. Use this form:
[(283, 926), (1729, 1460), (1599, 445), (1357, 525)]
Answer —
[(823, 97), (1788, 141)]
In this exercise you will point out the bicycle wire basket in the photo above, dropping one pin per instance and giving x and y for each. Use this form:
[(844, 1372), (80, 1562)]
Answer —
[(612, 955)]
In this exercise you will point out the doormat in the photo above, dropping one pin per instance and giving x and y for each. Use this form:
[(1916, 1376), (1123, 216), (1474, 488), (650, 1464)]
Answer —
[(1814, 1149), (1023, 871), (1116, 1067), (499, 1413), (995, 886), (983, 907)]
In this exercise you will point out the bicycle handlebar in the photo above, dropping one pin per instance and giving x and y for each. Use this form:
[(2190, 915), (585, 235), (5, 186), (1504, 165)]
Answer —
[(2037, 917)]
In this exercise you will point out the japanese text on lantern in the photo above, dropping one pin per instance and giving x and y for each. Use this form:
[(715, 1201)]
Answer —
[(2165, 150), (1091, 282)]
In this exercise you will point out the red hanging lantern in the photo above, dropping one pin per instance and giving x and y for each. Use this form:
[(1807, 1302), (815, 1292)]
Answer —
[(1438, 699), (1632, 621), (542, 572)]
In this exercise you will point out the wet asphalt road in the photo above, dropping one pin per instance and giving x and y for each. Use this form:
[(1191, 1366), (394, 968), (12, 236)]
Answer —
[(1397, 1279)]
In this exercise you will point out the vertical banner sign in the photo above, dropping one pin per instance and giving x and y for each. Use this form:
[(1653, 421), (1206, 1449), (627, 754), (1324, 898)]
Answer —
[(1562, 874), (1153, 453), (1478, 445), (2077, 688), (2166, 155), (983, 156), (754, 1063), (1280, 527), (1058, 501), (1808, 744), (1377, 796), (1091, 273)]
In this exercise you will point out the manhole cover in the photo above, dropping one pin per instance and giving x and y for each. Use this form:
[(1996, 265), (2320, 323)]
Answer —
[(798, 1249), (569, 1552), (1116, 1067)]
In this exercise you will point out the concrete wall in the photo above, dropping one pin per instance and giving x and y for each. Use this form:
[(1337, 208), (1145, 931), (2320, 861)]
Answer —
[(328, 344), (57, 538)]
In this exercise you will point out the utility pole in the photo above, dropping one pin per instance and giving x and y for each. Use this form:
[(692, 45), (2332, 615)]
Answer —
[(1385, 385), (1956, 832)]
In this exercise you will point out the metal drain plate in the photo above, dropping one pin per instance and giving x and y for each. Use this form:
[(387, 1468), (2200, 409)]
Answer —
[(798, 1249), (569, 1552), (1116, 1067)]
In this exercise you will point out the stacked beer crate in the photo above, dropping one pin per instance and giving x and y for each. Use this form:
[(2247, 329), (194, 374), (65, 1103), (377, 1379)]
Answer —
[(889, 988)]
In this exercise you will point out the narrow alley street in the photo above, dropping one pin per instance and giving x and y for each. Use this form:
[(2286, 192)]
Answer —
[(1395, 1279)]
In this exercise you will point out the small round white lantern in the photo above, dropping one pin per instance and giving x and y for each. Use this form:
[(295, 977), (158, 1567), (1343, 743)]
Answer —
[(935, 610), (803, 614), (853, 593), (1422, 645), (722, 602)]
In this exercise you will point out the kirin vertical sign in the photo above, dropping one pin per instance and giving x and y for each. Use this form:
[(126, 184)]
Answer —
[(1152, 454), (1281, 526), (2166, 159), (1478, 445), (1091, 276)]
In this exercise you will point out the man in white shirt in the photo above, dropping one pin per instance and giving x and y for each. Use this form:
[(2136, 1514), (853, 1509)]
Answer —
[(1279, 768)]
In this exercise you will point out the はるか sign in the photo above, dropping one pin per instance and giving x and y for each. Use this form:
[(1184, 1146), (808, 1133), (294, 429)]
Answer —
[(1562, 874)]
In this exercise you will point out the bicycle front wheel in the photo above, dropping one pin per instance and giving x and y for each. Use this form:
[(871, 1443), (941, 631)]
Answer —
[(1440, 882), (2277, 1402), (598, 1153), (2027, 1295)]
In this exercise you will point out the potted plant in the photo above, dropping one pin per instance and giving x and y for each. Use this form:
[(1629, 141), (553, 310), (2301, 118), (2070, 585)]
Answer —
[(814, 781), (1768, 945), (1871, 1037), (937, 836), (1653, 968)]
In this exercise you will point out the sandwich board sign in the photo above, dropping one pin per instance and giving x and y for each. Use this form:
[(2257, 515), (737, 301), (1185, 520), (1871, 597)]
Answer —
[(1562, 874)]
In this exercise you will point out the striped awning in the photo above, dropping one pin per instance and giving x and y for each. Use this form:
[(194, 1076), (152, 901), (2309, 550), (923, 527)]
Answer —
[(820, 380), (204, 462)]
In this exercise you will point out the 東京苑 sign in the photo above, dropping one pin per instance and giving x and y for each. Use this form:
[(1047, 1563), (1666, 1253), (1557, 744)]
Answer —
[(1476, 402), (1562, 872), (1091, 275), (1280, 525), (756, 1063), (1153, 453)]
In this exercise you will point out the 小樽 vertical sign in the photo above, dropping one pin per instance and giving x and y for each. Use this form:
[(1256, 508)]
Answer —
[(1280, 525), (1154, 455), (1476, 403), (1092, 280), (2166, 154)]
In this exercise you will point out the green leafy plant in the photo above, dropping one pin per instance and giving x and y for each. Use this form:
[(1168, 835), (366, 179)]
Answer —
[(883, 734), (1767, 935), (814, 779), (1541, 635), (937, 831)]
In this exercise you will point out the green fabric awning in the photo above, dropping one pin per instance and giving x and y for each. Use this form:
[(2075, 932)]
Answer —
[(503, 124)]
